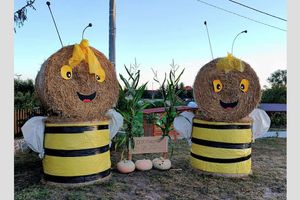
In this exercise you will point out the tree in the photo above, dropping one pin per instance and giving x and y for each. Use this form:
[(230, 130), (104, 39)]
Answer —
[(20, 16), (25, 94), (278, 78), (277, 92)]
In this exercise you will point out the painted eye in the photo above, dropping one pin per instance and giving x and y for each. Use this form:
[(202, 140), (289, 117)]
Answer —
[(66, 72), (99, 76), (244, 85), (218, 86)]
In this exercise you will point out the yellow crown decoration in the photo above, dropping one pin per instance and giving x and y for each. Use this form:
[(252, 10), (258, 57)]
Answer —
[(230, 63)]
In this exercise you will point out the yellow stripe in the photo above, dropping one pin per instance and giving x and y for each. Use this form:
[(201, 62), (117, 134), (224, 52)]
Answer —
[(220, 123), (85, 140), (223, 153), (78, 124), (223, 168), (223, 135), (76, 166)]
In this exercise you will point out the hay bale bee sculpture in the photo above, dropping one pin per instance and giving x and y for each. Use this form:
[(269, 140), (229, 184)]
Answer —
[(227, 91), (78, 84)]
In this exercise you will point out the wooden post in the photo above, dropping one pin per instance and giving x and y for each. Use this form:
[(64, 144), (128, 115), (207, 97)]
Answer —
[(129, 156), (112, 31)]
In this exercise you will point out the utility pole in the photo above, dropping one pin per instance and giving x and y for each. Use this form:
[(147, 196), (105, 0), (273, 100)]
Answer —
[(112, 31)]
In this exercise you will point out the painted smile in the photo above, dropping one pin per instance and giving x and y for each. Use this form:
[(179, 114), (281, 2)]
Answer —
[(228, 105), (86, 98)]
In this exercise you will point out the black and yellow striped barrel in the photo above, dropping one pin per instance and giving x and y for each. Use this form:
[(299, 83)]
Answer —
[(76, 153), (221, 147)]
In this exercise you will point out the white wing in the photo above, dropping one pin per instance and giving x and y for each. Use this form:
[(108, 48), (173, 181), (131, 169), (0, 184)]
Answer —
[(261, 122), (33, 132), (116, 122), (183, 125)]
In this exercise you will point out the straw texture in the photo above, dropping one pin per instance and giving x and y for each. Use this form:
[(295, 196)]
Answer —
[(209, 101), (60, 97)]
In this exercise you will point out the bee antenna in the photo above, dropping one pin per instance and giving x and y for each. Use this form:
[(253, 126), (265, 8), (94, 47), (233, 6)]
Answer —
[(209, 40), (245, 31), (90, 25), (48, 4)]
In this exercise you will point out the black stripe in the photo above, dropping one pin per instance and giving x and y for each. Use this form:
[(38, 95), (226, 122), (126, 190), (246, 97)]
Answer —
[(73, 129), (76, 153), (221, 160), (77, 179), (221, 126), (221, 144)]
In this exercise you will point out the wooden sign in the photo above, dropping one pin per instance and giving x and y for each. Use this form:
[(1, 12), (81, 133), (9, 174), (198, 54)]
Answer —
[(152, 144)]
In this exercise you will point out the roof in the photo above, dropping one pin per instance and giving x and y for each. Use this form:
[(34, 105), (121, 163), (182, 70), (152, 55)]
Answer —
[(162, 109), (275, 107)]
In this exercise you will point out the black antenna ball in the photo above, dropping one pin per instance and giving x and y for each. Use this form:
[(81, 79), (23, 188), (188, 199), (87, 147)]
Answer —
[(48, 3), (245, 31), (204, 22), (90, 25)]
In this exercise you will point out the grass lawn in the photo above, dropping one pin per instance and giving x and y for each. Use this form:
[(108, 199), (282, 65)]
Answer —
[(268, 180)]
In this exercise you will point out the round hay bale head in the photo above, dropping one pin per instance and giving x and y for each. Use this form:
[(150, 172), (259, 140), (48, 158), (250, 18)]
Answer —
[(80, 97), (226, 96)]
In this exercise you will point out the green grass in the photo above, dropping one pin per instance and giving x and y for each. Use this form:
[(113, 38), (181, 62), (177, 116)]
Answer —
[(268, 180)]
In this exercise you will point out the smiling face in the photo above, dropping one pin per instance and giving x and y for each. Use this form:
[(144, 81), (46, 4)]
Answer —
[(226, 96), (74, 92)]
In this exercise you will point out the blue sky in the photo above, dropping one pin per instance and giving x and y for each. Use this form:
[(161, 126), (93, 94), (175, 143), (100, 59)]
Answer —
[(155, 32)]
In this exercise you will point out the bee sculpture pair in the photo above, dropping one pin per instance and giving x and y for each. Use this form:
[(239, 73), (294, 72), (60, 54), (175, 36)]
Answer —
[(78, 85)]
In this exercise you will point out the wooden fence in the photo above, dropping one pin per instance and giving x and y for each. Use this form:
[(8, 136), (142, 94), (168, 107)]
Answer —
[(21, 116)]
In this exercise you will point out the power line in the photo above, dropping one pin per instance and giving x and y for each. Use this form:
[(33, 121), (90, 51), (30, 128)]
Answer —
[(241, 15), (257, 10)]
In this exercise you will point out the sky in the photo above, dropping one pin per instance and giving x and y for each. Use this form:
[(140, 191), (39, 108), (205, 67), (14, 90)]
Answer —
[(156, 32)]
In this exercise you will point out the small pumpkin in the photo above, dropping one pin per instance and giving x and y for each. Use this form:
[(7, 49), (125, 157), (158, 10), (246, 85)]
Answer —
[(161, 163), (143, 165), (125, 166)]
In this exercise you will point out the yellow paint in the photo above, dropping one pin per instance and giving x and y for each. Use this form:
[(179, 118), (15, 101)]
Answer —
[(244, 85), (222, 168), (218, 86), (235, 136), (76, 166), (79, 165), (224, 153), (223, 135), (85, 140), (64, 72)]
